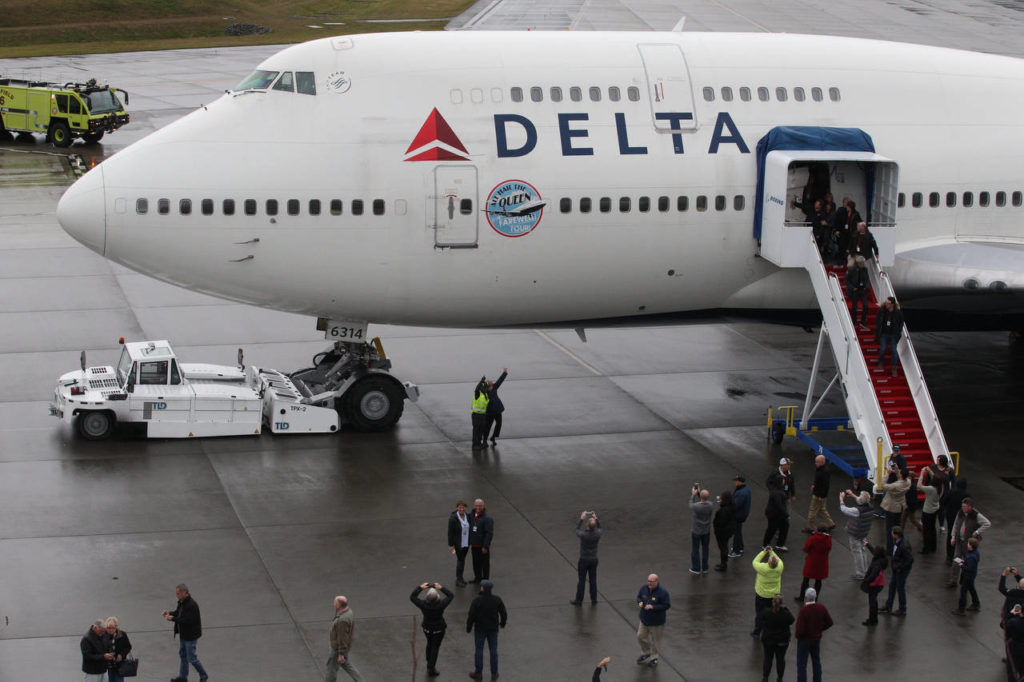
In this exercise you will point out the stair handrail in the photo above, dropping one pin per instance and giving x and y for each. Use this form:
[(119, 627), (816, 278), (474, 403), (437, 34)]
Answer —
[(861, 401), (882, 286)]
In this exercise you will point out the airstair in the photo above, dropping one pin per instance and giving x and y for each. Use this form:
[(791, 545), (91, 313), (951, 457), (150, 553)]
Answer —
[(883, 410)]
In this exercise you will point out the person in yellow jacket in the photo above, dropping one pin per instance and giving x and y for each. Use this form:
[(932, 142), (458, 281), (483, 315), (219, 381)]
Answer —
[(481, 398), (768, 583)]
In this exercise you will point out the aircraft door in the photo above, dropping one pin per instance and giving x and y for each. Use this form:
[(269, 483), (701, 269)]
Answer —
[(668, 87), (455, 207)]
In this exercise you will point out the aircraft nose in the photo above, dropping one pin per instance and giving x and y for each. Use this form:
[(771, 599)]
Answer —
[(82, 210)]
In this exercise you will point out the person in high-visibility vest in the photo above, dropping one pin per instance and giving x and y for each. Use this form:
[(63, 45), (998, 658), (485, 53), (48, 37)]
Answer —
[(481, 398)]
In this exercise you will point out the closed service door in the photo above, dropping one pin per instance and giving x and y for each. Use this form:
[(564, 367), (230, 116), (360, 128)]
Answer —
[(668, 85), (455, 206)]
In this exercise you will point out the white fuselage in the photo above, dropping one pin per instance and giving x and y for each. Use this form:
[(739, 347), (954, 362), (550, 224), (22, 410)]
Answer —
[(950, 119)]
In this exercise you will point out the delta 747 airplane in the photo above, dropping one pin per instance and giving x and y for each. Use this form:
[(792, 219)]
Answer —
[(478, 179)]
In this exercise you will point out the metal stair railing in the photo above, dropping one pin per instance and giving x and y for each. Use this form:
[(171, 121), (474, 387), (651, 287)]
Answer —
[(859, 393), (883, 289)]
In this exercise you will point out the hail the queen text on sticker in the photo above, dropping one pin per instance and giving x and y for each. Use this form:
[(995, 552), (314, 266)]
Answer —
[(514, 208)]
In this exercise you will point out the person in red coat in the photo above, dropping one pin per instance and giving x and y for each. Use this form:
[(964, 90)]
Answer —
[(817, 548)]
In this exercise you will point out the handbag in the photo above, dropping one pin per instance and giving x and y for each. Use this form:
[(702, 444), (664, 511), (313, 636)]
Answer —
[(129, 667)]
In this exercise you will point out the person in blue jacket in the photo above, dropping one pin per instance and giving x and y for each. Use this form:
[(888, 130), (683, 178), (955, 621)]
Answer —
[(653, 601), (494, 408), (968, 572), (740, 498)]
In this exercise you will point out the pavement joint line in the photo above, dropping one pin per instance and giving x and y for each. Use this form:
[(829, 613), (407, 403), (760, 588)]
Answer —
[(581, 361)]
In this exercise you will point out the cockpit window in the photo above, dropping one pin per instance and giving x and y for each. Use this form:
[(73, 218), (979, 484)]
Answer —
[(286, 82), (257, 80), (305, 84)]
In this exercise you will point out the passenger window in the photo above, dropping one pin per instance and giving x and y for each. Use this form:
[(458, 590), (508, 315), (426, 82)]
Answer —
[(916, 199), (293, 207), (576, 94), (497, 95), (378, 206), (305, 83), (781, 95), (643, 204), (286, 83), (709, 94), (163, 206), (798, 94), (465, 206), (968, 199), (901, 200), (357, 207), (62, 103), (585, 205), (745, 94), (833, 94), (624, 204), (817, 95), (933, 199), (250, 207), (76, 105), (614, 94), (335, 206), (207, 206), (682, 203), (738, 202), (565, 205), (983, 199), (476, 95), (314, 207), (455, 95), (595, 93), (153, 373), (605, 204), (1000, 198), (726, 94), (556, 94), (229, 207), (141, 206), (633, 93), (702, 203), (1017, 198), (950, 199), (663, 204), (537, 94), (185, 206), (271, 206), (762, 94), (720, 202), (517, 94)]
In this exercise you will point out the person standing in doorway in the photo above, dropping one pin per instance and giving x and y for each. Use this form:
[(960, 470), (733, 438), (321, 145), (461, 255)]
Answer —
[(343, 629), (741, 498), (481, 532), (188, 625), (458, 540), (479, 414), (432, 605), (494, 408), (589, 531)]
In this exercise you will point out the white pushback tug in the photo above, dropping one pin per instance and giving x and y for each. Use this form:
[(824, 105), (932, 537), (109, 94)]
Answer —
[(350, 384)]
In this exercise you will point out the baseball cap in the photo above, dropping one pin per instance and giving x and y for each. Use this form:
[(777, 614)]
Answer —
[(741, 479), (784, 461)]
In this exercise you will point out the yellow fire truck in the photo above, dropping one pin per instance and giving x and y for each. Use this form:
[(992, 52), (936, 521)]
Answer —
[(61, 112)]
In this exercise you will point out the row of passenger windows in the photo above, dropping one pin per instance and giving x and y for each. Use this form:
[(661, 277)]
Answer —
[(644, 204), (966, 199), (271, 207), (594, 93), (764, 94)]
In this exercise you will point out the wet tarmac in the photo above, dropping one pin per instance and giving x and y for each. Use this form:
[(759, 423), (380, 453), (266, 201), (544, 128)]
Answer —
[(267, 530)]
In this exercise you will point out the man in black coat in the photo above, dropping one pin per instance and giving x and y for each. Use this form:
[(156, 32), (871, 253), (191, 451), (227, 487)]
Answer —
[(432, 605), (95, 647), (494, 408), (481, 532), (902, 561), (857, 286), (189, 628), (486, 614)]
